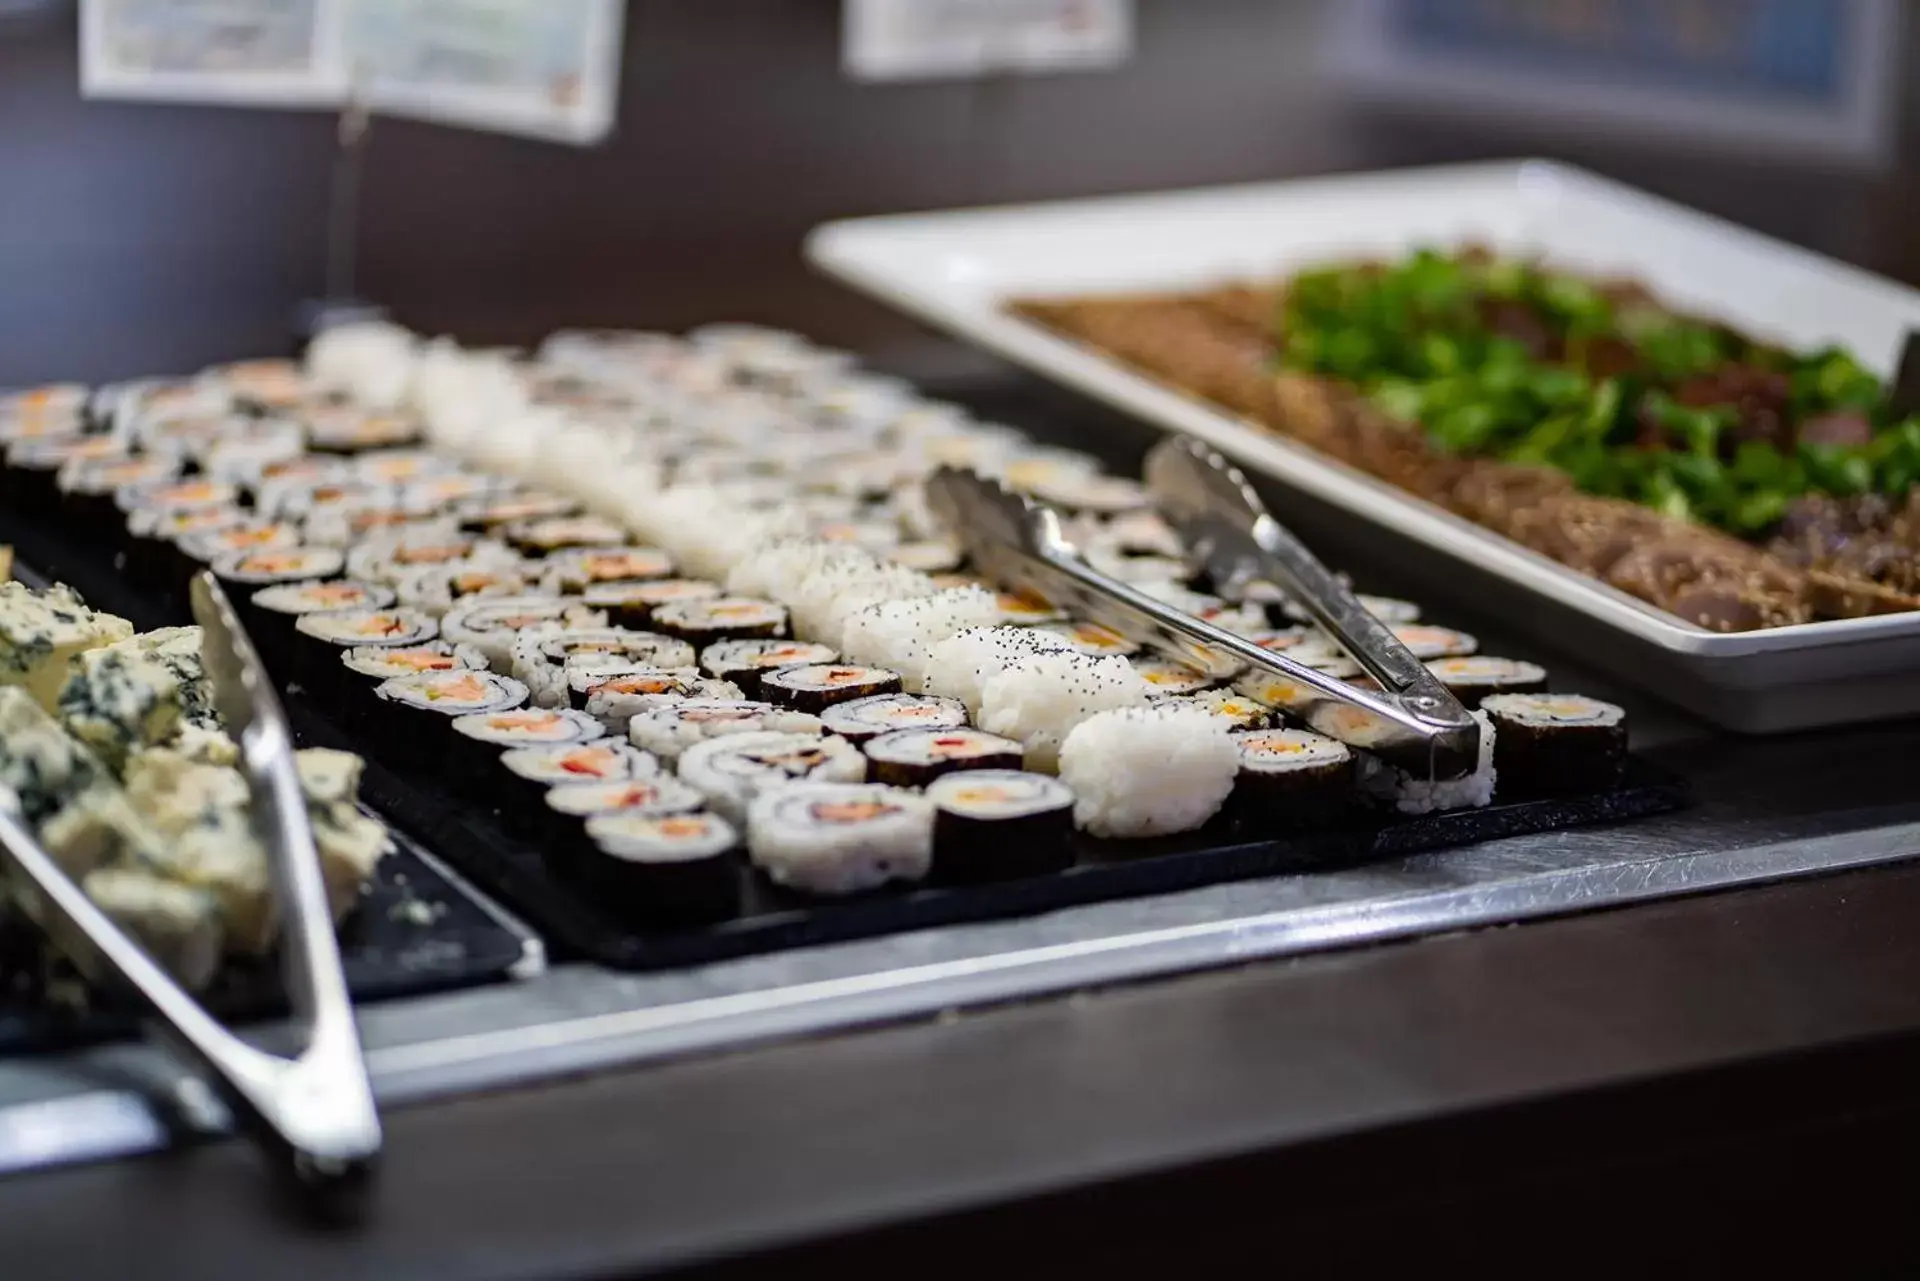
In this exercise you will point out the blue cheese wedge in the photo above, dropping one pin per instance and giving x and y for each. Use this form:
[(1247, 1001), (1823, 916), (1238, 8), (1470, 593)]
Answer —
[(201, 818), (118, 700), (82, 818), (178, 650), (350, 841), (39, 632), (178, 925)]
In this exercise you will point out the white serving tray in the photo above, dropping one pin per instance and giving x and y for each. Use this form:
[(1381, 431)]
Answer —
[(958, 269)]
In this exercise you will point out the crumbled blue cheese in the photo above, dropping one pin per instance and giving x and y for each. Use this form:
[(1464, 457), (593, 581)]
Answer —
[(118, 700), (350, 841), (178, 925), (83, 820), (178, 650), (201, 815), (39, 632), (204, 746)]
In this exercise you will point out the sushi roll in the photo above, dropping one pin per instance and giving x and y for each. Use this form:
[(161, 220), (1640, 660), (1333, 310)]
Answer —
[(252, 535), (633, 604), (34, 466), (1472, 679), (544, 659), (244, 573), (1290, 778), (411, 713), (744, 662), (1092, 639), (473, 763), (1425, 642), (840, 838), (573, 572), (1022, 608), (154, 538), (814, 687), (550, 534), (438, 588), (915, 757), (1556, 744), (1389, 610), (734, 768), (390, 557), (1170, 679), (865, 718), (276, 609), (492, 624), (1411, 794), (365, 667), (1087, 493), (1153, 771), (353, 431), (721, 618), (928, 556), (487, 514), (86, 493), (628, 678), (321, 637), (1240, 713), (617, 700), (998, 824), (566, 810), (526, 774), (669, 729), (663, 869)]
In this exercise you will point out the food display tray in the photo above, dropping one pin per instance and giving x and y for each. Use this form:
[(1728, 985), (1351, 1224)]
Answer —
[(959, 270), (473, 839)]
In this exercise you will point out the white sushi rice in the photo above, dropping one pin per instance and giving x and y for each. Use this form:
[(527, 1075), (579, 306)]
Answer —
[(1153, 771), (959, 666), (371, 362), (796, 835), (1413, 795), (1039, 699), (901, 634)]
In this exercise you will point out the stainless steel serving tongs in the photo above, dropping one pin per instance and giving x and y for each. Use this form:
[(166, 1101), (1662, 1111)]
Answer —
[(1412, 721), (314, 1113)]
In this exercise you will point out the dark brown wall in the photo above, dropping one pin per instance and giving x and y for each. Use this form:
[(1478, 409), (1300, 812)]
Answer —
[(136, 237)]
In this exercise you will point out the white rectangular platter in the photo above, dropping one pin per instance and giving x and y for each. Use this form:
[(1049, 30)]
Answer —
[(959, 269)]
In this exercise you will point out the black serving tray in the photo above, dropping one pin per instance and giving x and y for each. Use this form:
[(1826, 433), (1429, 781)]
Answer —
[(472, 837)]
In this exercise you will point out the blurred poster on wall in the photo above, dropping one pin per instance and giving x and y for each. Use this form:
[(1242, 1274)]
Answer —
[(935, 39), (1813, 78), (548, 68), (543, 68), (245, 52)]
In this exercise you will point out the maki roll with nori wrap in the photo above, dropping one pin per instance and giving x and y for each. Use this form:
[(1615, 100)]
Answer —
[(1556, 744), (616, 701), (840, 838), (744, 662), (1425, 641), (867, 718), (365, 667), (1169, 679), (662, 869), (1238, 711), (244, 573), (492, 624), (411, 714), (486, 514), (254, 534), (473, 761), (733, 769), (277, 609), (34, 466), (1027, 609), (565, 811), (624, 677), (671, 728), (526, 774), (154, 539), (915, 757), (577, 570), (721, 618), (633, 604), (1092, 639), (544, 659), (1291, 778), (550, 534), (438, 588), (1473, 678), (86, 494), (320, 638), (814, 687), (999, 824)]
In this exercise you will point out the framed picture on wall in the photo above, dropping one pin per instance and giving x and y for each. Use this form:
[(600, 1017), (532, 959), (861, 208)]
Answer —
[(1814, 79), (286, 53)]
